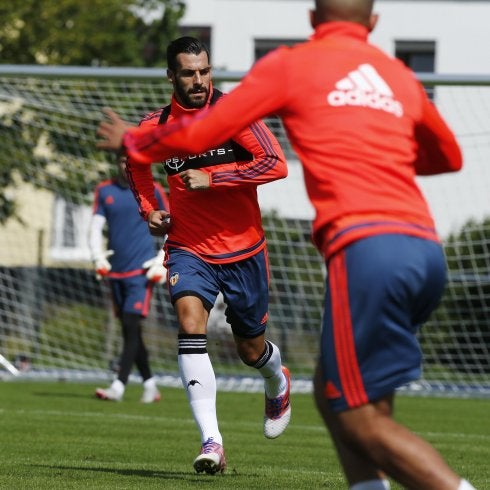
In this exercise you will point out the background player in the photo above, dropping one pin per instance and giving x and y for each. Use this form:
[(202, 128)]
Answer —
[(216, 243), (132, 268)]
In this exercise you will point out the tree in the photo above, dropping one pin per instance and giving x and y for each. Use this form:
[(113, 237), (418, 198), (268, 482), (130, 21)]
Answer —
[(69, 32), (92, 32)]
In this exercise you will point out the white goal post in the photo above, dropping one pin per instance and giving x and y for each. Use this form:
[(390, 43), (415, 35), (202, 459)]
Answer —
[(57, 319)]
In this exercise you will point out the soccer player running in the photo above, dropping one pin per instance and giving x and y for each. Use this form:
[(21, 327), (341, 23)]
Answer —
[(363, 128), (133, 270), (215, 244)]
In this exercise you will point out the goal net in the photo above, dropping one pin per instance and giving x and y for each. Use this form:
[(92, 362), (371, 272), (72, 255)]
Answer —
[(56, 319)]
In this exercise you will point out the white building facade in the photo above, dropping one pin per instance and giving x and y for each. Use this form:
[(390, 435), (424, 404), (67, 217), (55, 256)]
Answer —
[(457, 30)]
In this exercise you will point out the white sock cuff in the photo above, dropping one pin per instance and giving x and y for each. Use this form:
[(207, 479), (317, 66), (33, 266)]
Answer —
[(371, 485), (118, 386), (465, 485), (149, 383)]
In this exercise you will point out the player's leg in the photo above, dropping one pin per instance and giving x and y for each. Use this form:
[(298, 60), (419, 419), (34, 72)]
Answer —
[(131, 327), (245, 287), (379, 290), (193, 292), (135, 307), (357, 468), (406, 457), (115, 391), (198, 379), (265, 356), (138, 296)]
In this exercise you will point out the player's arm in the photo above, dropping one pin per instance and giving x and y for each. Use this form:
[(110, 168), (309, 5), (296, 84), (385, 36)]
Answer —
[(155, 270), (256, 97), (140, 178), (98, 253), (438, 151), (268, 164)]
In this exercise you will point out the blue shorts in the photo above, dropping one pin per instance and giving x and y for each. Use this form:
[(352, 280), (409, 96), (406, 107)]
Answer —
[(244, 284), (131, 295), (379, 292)]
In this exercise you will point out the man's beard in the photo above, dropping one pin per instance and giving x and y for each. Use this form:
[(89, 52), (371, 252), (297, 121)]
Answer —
[(190, 103)]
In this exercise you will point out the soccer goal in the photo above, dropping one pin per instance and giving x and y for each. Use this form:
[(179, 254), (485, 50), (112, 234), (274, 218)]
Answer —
[(56, 319)]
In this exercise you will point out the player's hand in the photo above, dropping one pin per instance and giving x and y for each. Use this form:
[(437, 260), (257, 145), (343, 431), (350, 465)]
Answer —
[(195, 180), (102, 265), (156, 271), (111, 131), (158, 222)]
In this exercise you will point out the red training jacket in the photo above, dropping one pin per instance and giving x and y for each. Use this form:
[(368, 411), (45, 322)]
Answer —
[(359, 121), (223, 223)]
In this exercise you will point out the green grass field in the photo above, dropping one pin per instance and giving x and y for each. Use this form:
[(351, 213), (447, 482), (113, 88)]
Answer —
[(58, 436)]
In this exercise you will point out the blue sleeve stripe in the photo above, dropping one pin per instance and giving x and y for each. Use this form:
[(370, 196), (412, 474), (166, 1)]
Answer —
[(260, 168)]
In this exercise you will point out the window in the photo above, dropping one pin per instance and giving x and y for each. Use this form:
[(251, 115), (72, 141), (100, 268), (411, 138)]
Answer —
[(419, 56), (263, 46), (69, 238)]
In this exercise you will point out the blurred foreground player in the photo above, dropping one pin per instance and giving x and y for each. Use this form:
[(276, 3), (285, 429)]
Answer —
[(363, 128)]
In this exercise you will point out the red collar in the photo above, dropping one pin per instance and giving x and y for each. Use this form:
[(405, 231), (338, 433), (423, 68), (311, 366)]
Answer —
[(340, 29)]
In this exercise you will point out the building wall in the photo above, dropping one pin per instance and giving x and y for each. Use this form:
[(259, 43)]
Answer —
[(26, 242), (460, 28)]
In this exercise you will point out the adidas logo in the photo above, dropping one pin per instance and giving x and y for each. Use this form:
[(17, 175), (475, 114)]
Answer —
[(364, 87)]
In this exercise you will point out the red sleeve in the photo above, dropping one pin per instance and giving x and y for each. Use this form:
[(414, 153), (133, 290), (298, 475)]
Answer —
[(141, 182), (140, 177), (257, 95), (438, 150), (268, 164), (161, 197)]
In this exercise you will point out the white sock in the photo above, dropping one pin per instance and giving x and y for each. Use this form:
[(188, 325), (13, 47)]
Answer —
[(118, 387), (149, 384), (197, 375), (372, 485), (270, 367), (465, 485)]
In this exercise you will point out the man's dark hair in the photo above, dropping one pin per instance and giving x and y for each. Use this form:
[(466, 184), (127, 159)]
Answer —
[(186, 44)]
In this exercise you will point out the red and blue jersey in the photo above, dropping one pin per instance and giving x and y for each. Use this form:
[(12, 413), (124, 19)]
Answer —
[(128, 233), (221, 224)]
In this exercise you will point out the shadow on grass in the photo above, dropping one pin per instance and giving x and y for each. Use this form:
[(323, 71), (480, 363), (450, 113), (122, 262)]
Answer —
[(202, 478), (65, 394)]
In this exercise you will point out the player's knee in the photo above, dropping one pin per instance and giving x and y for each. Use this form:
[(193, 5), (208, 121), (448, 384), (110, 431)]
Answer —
[(249, 350), (192, 327)]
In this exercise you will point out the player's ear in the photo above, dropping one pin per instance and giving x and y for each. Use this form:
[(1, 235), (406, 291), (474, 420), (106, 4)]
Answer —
[(373, 20), (170, 76), (313, 18)]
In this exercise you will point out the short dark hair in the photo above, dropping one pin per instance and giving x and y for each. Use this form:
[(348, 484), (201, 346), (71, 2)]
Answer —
[(186, 44)]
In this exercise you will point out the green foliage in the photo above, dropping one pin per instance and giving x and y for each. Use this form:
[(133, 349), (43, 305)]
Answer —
[(63, 323), (468, 251), (46, 135), (462, 317), (92, 32)]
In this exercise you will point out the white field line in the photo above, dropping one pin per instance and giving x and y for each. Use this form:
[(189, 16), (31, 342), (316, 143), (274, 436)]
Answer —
[(166, 419)]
